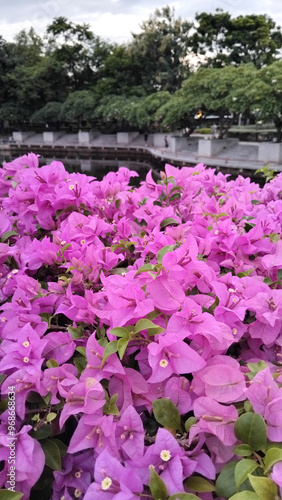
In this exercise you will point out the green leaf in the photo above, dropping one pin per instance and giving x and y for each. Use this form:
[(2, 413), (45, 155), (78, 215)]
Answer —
[(157, 486), (122, 345), (51, 416), (110, 407), (176, 188), (183, 496), (81, 350), (52, 454), (110, 348), (255, 202), (80, 363), (250, 428), (267, 280), (52, 363), (64, 248), (166, 413), (145, 268), (10, 495), (245, 495), (199, 484), (42, 433), (76, 333), (120, 332), (255, 368), (145, 324), (243, 450), (175, 196), (189, 422), (163, 251), (272, 456), (243, 469), (225, 483), (245, 273), (264, 487), (167, 222), (279, 274), (7, 235)]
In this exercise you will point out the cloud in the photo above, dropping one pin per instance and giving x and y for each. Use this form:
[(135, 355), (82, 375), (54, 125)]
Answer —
[(116, 19)]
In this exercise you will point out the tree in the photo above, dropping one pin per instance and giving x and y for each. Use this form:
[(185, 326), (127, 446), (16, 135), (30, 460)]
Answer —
[(121, 73), (178, 113), (78, 50), (161, 49), (115, 113), (265, 90), (78, 107), (223, 40), (145, 111), (210, 89), (48, 114)]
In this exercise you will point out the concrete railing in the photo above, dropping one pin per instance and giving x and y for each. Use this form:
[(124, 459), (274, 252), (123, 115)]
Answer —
[(126, 137), (51, 137), (269, 151), (211, 147)]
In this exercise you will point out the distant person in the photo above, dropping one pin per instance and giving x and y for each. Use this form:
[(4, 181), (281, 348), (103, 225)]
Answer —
[(146, 139), (213, 130), (165, 142)]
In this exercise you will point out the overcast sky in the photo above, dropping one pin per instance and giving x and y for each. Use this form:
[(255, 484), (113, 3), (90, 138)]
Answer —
[(115, 20)]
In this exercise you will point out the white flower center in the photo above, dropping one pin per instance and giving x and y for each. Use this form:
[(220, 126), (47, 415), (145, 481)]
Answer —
[(26, 359), (106, 483), (71, 187), (163, 363), (26, 343), (165, 455)]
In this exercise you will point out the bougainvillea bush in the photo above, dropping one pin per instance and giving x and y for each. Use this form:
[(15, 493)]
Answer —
[(140, 334)]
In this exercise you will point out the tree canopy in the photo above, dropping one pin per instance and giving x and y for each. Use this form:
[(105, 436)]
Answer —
[(161, 78)]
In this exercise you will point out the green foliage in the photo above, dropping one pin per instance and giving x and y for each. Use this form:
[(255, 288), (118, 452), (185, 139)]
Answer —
[(157, 486), (166, 413)]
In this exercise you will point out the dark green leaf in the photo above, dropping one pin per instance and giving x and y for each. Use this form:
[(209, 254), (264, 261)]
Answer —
[(7, 235), (42, 433), (225, 483), (52, 363), (166, 413), (255, 202), (250, 428), (157, 486), (76, 333), (199, 484), (81, 350), (279, 274), (52, 454), (80, 363), (175, 196), (167, 222)]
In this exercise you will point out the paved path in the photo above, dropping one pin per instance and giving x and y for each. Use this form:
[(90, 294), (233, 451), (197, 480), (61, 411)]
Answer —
[(242, 156)]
